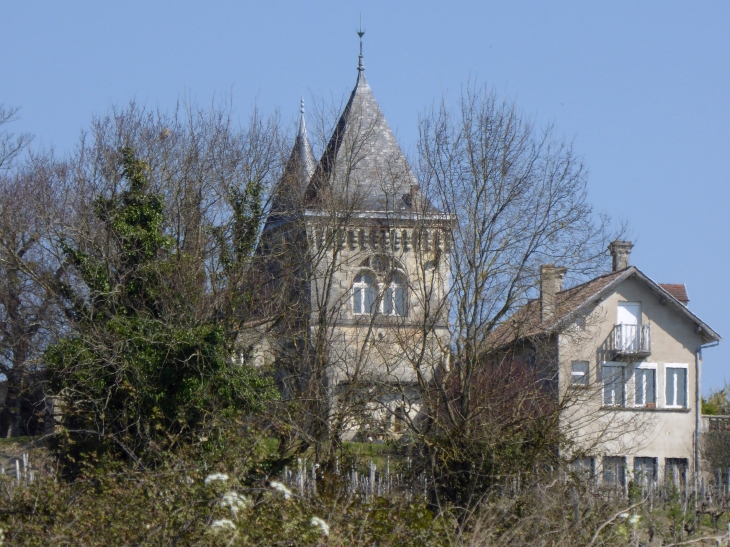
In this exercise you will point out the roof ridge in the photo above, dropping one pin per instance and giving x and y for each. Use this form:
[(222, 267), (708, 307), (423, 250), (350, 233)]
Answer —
[(592, 280)]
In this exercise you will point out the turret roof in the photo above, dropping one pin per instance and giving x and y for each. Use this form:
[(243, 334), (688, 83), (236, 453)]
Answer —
[(363, 165), (286, 201)]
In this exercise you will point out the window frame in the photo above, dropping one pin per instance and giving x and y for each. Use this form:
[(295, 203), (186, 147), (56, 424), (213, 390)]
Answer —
[(645, 366), (363, 287), (676, 366), (586, 376), (585, 466), (621, 469), (622, 367), (389, 293), (646, 480)]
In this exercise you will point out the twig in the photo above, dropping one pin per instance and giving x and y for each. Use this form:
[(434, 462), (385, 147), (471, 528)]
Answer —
[(707, 538), (609, 521)]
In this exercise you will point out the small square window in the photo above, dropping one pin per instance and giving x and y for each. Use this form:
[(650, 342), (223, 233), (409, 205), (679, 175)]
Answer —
[(579, 373), (584, 467)]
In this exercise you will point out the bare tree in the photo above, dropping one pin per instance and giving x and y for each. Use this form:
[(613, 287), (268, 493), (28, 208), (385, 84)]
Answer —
[(517, 199), (11, 145), (28, 312)]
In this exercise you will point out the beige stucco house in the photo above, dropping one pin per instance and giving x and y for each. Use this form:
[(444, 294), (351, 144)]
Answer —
[(626, 352)]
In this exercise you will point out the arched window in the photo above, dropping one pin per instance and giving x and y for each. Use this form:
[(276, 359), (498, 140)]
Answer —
[(363, 295), (365, 292)]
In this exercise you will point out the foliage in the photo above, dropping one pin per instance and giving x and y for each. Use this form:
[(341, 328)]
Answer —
[(717, 403), (137, 377), (510, 427), (215, 497), (176, 505)]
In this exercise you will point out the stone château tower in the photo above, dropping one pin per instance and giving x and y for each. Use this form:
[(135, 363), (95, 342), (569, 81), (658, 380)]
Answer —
[(359, 264)]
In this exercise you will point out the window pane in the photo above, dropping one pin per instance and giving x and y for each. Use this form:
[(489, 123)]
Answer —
[(650, 376), (583, 466), (644, 471), (640, 376), (613, 391), (370, 299), (614, 471), (645, 386), (681, 387), (675, 471), (357, 300), (671, 382), (400, 300), (388, 301)]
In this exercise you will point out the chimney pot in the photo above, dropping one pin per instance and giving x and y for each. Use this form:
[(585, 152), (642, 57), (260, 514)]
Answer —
[(620, 252)]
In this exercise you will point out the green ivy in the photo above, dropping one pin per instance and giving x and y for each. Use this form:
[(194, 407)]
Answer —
[(134, 379)]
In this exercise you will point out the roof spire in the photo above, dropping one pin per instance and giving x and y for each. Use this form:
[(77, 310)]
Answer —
[(302, 132), (360, 33)]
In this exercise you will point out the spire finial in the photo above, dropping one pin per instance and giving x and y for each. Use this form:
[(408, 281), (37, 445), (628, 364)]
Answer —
[(302, 131), (360, 33)]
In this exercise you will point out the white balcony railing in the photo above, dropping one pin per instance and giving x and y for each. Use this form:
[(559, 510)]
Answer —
[(632, 340)]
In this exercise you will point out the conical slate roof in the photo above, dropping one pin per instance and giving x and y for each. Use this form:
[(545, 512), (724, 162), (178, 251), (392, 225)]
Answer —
[(286, 201), (363, 168)]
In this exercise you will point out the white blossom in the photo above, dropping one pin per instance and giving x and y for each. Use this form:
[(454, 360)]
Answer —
[(235, 502), (316, 521), (222, 524), (216, 477), (281, 488)]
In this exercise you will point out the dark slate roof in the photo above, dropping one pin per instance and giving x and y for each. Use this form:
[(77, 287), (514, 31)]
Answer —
[(363, 166), (286, 201), (571, 303), (677, 290)]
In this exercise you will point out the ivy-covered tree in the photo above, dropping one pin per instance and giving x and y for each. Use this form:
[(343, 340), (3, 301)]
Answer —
[(138, 376)]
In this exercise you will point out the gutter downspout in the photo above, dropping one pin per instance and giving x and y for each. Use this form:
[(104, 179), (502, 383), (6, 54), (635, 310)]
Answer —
[(698, 411)]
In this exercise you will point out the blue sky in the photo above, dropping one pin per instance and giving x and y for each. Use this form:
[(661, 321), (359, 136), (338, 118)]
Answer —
[(641, 88)]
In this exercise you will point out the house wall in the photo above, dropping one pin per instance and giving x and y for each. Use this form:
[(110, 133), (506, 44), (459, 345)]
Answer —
[(628, 430)]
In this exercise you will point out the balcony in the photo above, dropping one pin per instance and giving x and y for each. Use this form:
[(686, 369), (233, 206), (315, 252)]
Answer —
[(631, 340)]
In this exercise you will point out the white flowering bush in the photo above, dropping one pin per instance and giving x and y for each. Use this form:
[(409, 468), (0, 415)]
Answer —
[(216, 477), (222, 524), (235, 502), (281, 488), (322, 525)]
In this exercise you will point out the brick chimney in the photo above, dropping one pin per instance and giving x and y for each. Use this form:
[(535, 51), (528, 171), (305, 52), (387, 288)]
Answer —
[(551, 283), (620, 252)]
